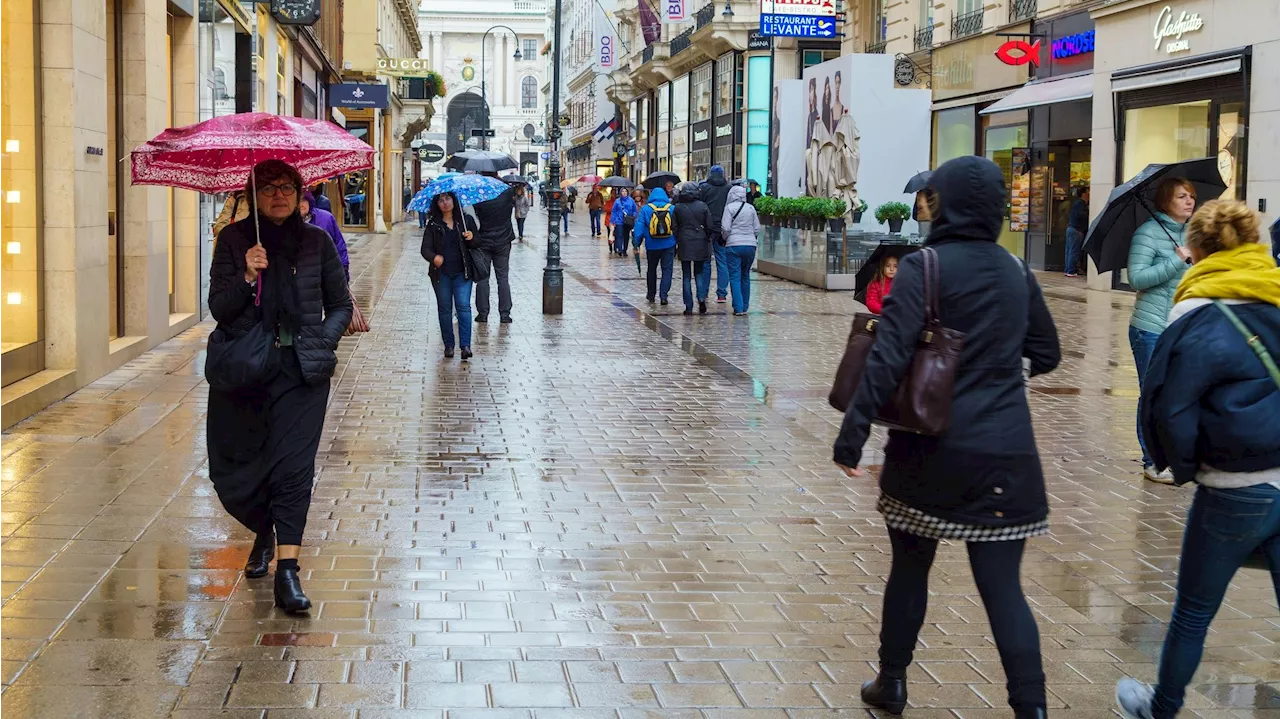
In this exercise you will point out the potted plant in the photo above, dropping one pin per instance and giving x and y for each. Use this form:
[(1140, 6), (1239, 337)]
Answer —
[(895, 213), (858, 209), (766, 208)]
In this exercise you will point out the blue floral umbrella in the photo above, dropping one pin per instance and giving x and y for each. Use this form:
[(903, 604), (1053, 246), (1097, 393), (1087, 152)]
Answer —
[(469, 189)]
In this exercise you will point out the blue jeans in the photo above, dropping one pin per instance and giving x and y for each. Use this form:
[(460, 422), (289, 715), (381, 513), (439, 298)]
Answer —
[(422, 220), (722, 269), (699, 274), (1143, 343), (1224, 527), (1075, 241), (564, 215), (621, 236), (740, 259), (667, 259), (595, 222), (454, 292), (520, 226)]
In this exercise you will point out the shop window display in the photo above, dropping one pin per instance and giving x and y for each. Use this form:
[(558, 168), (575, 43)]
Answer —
[(20, 193)]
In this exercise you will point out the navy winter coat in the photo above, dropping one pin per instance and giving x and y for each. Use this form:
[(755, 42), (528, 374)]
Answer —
[(1208, 399), (985, 470)]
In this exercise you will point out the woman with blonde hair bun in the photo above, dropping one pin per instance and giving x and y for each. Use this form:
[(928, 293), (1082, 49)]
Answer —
[(1210, 409)]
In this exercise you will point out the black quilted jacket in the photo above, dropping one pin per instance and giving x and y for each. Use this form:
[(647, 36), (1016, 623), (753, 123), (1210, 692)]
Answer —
[(322, 292)]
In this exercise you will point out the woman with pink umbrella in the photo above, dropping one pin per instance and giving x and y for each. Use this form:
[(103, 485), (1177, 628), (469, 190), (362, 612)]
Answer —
[(278, 291)]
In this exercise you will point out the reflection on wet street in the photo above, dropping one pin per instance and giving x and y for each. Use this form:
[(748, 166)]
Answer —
[(620, 512)]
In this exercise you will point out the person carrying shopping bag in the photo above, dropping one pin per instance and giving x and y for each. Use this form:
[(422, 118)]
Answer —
[(1211, 414)]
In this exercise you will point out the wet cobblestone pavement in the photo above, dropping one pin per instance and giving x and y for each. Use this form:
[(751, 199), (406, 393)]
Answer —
[(621, 512)]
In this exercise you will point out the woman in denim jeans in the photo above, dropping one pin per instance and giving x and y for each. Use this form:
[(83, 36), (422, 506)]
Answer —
[(1157, 260), (446, 246), (1211, 412)]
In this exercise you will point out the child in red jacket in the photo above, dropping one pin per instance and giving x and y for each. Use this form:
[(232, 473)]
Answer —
[(880, 286)]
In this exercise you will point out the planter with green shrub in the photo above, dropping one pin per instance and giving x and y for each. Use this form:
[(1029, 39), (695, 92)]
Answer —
[(810, 213), (895, 213)]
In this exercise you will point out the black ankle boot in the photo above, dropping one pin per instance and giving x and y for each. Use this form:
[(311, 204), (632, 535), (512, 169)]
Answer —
[(264, 550), (1037, 713), (887, 693), (289, 596)]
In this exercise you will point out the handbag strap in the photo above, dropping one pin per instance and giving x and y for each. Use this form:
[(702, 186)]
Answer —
[(931, 282), (1252, 339)]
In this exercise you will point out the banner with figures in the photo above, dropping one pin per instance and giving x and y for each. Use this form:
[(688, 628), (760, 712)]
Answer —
[(606, 43), (675, 10)]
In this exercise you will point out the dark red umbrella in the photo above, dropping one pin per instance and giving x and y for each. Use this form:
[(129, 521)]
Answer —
[(217, 155)]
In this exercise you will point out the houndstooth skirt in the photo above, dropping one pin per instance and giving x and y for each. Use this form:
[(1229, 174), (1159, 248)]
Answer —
[(912, 521)]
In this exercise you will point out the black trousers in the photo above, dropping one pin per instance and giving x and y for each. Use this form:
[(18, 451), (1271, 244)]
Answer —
[(501, 270), (262, 450), (995, 566)]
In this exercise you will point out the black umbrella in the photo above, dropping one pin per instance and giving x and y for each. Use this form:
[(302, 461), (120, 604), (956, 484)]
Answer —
[(1133, 203), (872, 265), (918, 182), (515, 180), (617, 181), (480, 161), (660, 178)]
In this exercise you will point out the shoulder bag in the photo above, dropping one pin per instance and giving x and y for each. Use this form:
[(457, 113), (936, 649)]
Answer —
[(922, 401), (245, 361)]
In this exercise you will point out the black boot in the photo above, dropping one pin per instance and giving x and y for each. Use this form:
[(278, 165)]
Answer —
[(289, 596), (264, 550), (887, 693), (1037, 713)]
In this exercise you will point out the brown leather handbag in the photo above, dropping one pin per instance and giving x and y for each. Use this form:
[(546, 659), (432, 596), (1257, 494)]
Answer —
[(922, 402)]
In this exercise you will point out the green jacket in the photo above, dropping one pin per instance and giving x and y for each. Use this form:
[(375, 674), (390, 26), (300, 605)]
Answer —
[(1155, 270)]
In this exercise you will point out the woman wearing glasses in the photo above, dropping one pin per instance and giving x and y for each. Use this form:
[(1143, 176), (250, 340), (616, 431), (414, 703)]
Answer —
[(263, 437)]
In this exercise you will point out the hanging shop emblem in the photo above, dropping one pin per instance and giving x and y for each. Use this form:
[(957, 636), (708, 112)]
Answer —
[(1019, 52), (296, 12), (1170, 26)]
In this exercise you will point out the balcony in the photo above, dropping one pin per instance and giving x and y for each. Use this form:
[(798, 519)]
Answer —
[(967, 24), (705, 15), (876, 48), (924, 38), (1020, 10), (681, 42), (646, 55)]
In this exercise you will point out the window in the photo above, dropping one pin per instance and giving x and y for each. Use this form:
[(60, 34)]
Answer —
[(817, 57), (967, 6), (282, 75), (664, 107), (702, 93), (529, 93), (954, 132), (1166, 133), (530, 50), (219, 83), (724, 85), (926, 14), (680, 101)]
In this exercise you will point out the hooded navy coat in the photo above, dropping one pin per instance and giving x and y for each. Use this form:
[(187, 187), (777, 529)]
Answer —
[(985, 470)]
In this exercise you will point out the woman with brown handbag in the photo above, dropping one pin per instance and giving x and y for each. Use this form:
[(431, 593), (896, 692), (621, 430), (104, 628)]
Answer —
[(980, 480)]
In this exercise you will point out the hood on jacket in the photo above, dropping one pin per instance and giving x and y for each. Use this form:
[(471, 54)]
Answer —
[(737, 193), (971, 200), (688, 192), (658, 196), (716, 177)]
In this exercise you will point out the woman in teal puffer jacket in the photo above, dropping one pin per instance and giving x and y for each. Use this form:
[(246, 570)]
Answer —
[(1158, 258)]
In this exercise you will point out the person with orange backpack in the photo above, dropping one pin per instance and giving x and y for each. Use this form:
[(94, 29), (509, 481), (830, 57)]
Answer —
[(655, 228)]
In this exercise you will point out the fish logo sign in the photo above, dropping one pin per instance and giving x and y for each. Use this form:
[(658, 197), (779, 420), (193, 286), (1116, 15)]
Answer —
[(1027, 53)]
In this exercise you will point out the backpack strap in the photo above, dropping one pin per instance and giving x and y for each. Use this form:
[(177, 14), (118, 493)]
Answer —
[(1252, 339)]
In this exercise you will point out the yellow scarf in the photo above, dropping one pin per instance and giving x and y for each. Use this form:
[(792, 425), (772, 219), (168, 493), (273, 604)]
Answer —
[(1247, 272)]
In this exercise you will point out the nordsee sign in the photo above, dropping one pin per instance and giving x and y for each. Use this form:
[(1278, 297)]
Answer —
[(797, 25), (1173, 26), (1072, 45)]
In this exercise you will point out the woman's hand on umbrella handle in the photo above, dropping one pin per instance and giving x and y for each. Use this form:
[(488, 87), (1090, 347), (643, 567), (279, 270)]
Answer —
[(255, 260), (438, 260), (851, 471), (1183, 253), (467, 235)]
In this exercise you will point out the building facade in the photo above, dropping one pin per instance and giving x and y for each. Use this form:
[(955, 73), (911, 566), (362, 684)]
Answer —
[(489, 55), (96, 271)]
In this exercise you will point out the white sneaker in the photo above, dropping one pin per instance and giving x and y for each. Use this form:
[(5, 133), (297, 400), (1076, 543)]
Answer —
[(1150, 474), (1134, 698)]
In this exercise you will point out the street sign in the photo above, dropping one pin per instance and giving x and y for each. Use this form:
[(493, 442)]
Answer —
[(797, 25), (545, 155), (483, 132), (756, 41)]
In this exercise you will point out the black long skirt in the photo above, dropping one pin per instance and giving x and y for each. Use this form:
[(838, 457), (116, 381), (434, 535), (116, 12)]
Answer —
[(262, 450)]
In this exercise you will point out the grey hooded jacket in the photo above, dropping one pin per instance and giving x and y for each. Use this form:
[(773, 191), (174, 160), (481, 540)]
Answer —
[(740, 224)]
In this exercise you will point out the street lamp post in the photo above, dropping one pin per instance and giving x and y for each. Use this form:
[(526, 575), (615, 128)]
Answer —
[(483, 75), (553, 274)]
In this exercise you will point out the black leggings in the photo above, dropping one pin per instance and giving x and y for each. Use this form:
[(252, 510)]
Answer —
[(995, 570)]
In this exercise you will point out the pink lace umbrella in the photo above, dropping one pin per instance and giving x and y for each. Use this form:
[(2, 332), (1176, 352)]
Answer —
[(217, 155)]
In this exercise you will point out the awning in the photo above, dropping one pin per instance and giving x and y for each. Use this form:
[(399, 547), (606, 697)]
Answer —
[(1198, 71), (1045, 92)]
